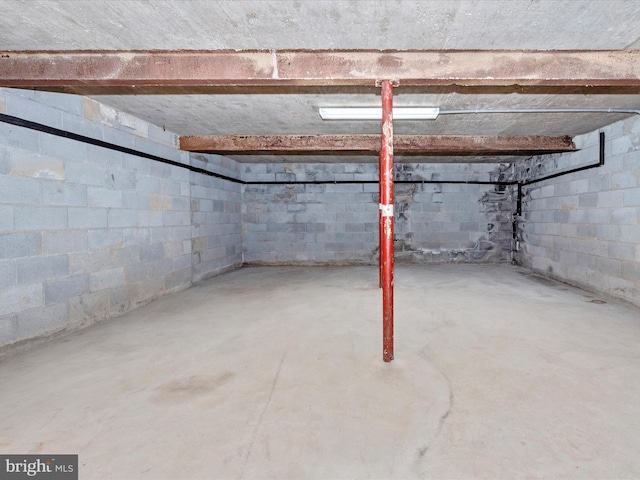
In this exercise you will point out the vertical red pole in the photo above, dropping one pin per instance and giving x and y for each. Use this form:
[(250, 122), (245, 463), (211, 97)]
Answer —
[(380, 225), (386, 212)]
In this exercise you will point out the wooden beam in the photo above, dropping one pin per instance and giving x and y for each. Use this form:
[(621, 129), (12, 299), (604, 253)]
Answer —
[(432, 145), (300, 68)]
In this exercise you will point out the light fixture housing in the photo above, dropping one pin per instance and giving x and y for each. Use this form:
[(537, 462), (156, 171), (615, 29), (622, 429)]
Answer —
[(375, 113)]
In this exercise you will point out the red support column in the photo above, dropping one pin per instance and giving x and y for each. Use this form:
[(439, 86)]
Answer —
[(386, 213)]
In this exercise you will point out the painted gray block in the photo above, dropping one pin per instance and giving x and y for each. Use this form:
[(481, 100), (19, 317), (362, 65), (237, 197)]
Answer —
[(28, 109), (8, 274), (151, 252), (43, 321), (104, 197), (59, 147), (60, 193), (123, 298), (64, 241), (104, 238), (87, 218), (15, 245), (20, 191), (104, 157), (106, 279), (37, 269), (61, 289), (122, 218), (8, 329), (631, 197), (88, 174), (6, 218), (67, 102), (90, 308), (18, 298), (150, 218), (40, 218), (611, 198), (176, 218)]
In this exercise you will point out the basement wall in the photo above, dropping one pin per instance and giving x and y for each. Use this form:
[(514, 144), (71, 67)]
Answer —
[(334, 223), (87, 233), (584, 228)]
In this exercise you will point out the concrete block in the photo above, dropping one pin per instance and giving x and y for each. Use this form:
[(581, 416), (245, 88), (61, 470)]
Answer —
[(37, 269), (9, 323), (20, 191), (610, 198), (149, 218), (624, 180), (176, 218), (135, 200), (16, 245), (123, 298), (8, 274), (105, 238), (40, 218), (122, 218), (34, 111), (60, 193), (76, 124), (89, 308), (15, 299), (87, 217), (6, 218), (624, 215), (622, 251), (150, 288), (630, 233), (104, 197), (151, 252), (104, 157), (44, 321), (61, 289), (106, 279), (631, 197), (88, 174), (62, 148), (135, 236)]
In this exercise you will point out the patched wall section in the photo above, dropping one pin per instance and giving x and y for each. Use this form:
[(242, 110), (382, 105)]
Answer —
[(439, 217), (584, 228)]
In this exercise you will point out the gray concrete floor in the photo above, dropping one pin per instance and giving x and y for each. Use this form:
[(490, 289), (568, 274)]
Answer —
[(277, 373)]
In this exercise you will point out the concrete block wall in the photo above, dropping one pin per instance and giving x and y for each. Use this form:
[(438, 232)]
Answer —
[(86, 232), (216, 221), (338, 223), (584, 228)]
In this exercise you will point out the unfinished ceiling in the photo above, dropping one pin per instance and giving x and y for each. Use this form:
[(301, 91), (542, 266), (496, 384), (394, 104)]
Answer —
[(341, 25)]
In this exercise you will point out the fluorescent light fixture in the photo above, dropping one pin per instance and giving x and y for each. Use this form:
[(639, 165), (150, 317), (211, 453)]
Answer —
[(375, 113)]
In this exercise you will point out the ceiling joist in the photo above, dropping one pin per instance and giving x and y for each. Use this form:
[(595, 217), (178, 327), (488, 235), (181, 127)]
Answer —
[(299, 68), (430, 145)]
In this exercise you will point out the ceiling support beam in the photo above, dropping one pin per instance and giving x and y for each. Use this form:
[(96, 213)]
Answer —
[(432, 145), (298, 68)]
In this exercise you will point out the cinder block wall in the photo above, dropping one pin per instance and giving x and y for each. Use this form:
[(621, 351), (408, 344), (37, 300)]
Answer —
[(87, 232), (338, 223), (584, 228)]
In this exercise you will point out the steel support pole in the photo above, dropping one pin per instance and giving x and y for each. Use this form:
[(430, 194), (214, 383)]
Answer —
[(386, 213)]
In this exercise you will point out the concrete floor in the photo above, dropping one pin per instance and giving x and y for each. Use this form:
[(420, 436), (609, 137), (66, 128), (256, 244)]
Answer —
[(277, 373)]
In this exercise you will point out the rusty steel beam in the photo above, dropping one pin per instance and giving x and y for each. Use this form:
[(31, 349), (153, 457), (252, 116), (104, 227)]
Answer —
[(433, 145), (300, 68), (386, 211)]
